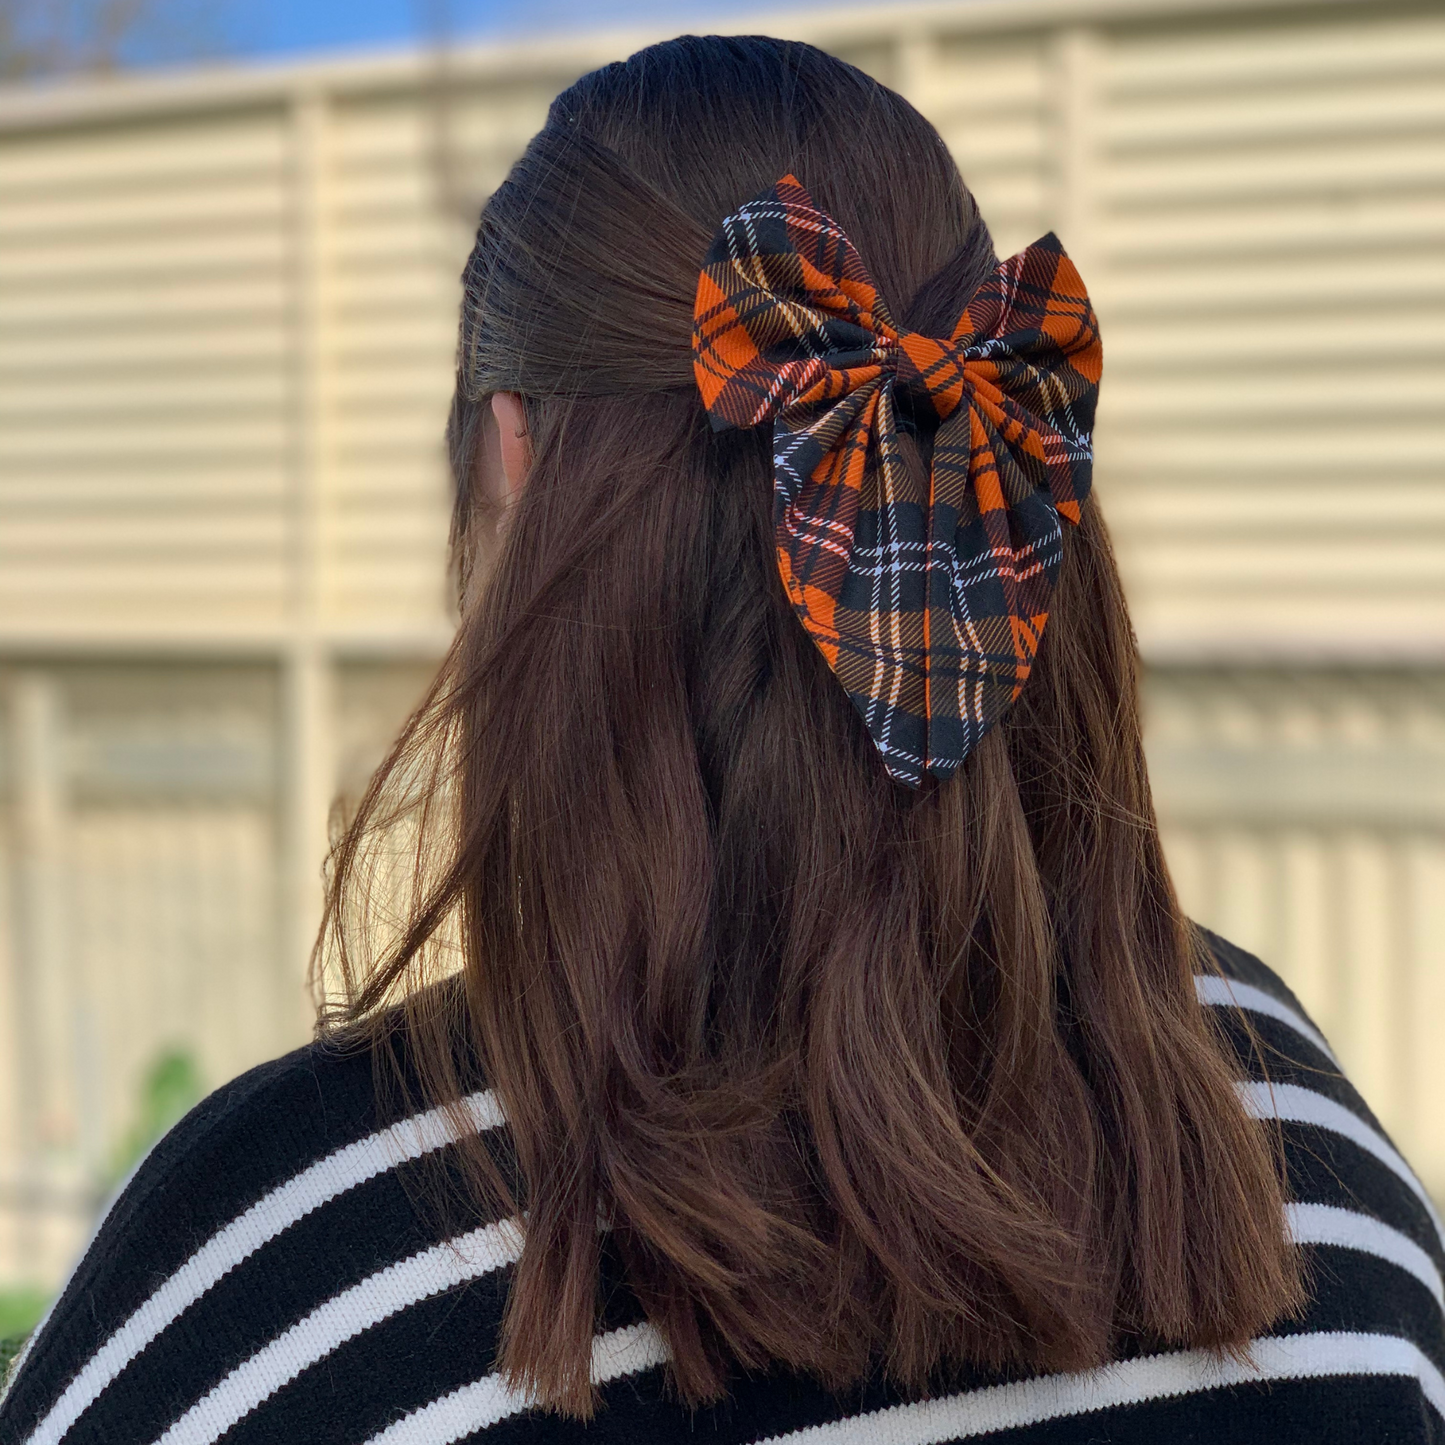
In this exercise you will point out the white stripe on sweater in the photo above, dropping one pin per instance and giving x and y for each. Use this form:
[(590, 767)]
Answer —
[(1348, 1229), (95, 1228), (1130, 1382), (1230, 993), (1293, 1104), (342, 1317), (486, 1401), (1221, 992), (410, 1138), (243, 1236)]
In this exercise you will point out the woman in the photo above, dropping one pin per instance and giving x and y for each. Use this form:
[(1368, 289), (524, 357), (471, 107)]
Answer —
[(763, 1009)]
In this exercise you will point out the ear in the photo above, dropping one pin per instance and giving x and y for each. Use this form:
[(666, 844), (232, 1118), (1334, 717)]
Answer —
[(514, 441)]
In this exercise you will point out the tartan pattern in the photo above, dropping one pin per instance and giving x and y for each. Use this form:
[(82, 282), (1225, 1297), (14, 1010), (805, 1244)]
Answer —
[(927, 597)]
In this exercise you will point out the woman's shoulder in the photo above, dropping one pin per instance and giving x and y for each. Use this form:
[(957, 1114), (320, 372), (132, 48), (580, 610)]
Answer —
[(1260, 1014), (1252, 975), (1372, 1234), (243, 1141), (1288, 1070), (276, 1194)]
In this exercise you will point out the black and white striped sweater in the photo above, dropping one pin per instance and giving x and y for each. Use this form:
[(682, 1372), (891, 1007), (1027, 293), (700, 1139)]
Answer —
[(267, 1276)]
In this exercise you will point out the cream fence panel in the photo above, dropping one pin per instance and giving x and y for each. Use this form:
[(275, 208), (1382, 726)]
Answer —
[(144, 361), (229, 326), (227, 310), (1302, 814), (1269, 219)]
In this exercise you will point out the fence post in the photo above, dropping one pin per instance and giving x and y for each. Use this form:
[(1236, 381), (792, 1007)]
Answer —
[(307, 684), (44, 992)]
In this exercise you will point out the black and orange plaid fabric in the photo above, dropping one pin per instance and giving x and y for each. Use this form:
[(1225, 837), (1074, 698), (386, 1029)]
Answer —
[(927, 596)]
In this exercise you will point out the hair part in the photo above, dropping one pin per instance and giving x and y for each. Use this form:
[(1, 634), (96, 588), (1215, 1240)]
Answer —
[(859, 1077)]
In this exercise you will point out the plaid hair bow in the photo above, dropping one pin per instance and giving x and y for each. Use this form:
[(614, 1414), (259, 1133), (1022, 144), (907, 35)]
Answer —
[(927, 597)]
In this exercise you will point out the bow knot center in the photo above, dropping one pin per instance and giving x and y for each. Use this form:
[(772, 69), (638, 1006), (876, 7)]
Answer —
[(930, 370)]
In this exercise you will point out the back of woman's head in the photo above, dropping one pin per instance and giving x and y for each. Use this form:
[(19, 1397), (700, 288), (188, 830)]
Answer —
[(855, 1075)]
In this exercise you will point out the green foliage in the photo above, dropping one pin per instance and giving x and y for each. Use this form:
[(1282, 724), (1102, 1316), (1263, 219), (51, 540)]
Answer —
[(171, 1088), (20, 1311)]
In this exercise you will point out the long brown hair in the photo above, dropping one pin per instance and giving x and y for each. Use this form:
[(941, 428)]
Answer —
[(857, 1077)]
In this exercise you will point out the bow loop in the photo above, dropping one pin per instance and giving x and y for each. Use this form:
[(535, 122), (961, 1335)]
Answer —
[(928, 599)]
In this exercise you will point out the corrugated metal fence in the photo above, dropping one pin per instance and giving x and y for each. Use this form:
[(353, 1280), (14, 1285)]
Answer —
[(226, 327)]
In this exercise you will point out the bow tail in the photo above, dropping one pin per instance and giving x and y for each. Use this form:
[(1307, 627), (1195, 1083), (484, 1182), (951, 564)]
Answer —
[(893, 564), (995, 542), (819, 468), (851, 535)]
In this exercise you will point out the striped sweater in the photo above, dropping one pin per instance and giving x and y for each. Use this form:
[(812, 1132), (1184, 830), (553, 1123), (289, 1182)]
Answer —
[(268, 1276)]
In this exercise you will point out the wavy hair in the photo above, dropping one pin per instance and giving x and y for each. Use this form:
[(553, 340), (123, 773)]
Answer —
[(858, 1078)]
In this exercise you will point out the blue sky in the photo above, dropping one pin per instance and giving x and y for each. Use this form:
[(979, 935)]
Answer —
[(286, 27)]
